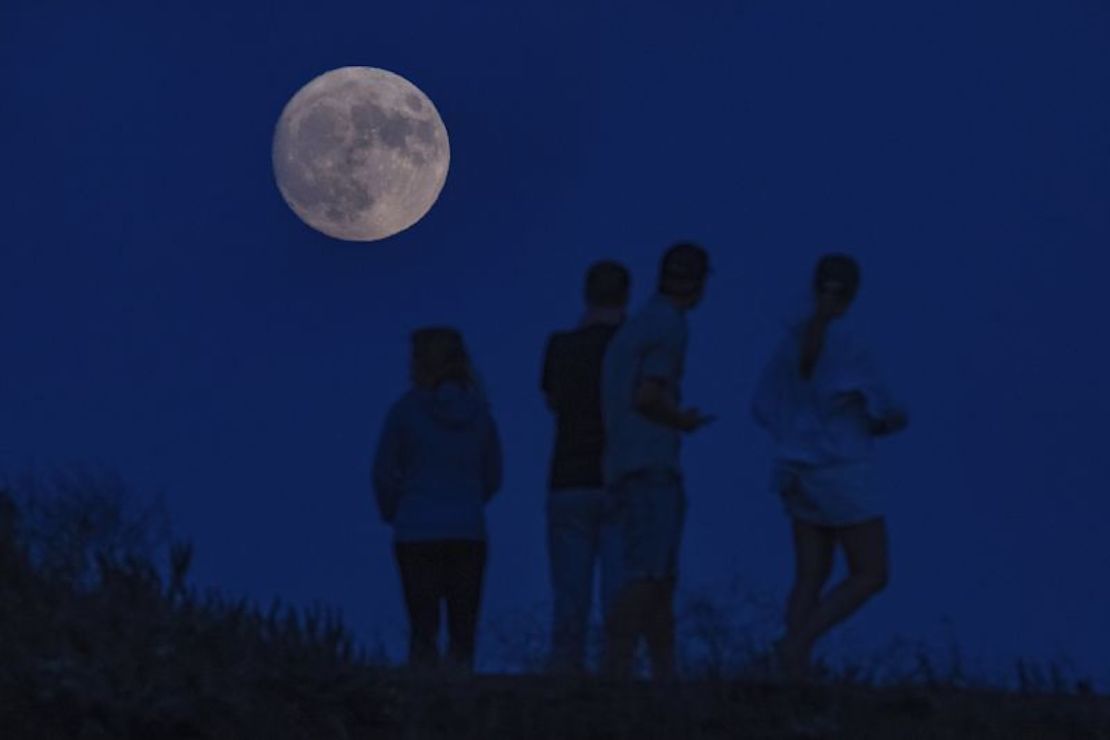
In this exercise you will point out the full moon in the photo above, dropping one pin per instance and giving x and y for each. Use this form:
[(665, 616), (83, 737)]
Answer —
[(360, 153)]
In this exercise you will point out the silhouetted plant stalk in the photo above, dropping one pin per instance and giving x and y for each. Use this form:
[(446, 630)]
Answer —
[(96, 639)]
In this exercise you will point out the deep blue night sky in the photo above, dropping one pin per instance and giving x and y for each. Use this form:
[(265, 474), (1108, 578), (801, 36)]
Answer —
[(163, 312)]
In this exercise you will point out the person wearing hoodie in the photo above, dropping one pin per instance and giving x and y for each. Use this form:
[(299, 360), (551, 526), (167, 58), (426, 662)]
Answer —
[(438, 463), (823, 403)]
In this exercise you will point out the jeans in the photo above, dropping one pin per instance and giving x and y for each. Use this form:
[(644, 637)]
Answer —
[(438, 571), (581, 534)]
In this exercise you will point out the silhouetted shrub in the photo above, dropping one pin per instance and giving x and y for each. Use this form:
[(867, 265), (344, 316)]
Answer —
[(99, 641)]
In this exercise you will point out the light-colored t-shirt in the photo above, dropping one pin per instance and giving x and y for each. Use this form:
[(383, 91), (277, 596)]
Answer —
[(651, 344)]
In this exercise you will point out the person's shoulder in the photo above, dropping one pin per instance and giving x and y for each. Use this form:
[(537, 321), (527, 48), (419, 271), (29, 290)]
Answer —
[(847, 335), (664, 319), (591, 336), (559, 336), (557, 345), (397, 414), (850, 343), (626, 332), (655, 309), (557, 341)]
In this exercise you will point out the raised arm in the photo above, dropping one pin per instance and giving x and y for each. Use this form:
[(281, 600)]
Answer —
[(885, 416)]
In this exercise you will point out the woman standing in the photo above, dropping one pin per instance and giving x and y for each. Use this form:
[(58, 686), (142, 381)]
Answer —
[(438, 463), (823, 402)]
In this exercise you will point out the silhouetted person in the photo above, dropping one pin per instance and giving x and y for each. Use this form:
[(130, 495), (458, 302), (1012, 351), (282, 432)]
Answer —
[(643, 427), (438, 463), (581, 532), (823, 402)]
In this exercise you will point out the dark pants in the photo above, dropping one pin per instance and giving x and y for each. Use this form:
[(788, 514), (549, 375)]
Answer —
[(442, 571)]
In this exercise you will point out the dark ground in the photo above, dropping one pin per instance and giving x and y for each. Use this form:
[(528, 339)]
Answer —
[(537, 707), (97, 640)]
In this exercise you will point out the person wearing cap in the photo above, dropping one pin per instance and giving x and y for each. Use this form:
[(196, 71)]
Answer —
[(581, 535), (823, 402), (644, 424)]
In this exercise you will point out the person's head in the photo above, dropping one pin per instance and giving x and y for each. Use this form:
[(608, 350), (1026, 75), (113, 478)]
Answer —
[(439, 356), (607, 285), (835, 283), (683, 272)]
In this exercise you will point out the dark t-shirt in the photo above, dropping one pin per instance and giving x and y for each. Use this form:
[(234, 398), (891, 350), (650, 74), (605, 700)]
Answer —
[(572, 380)]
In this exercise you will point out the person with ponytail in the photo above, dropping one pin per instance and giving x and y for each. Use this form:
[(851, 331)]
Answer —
[(823, 403)]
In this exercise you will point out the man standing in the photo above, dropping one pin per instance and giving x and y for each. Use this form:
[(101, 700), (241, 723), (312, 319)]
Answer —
[(580, 530), (643, 427)]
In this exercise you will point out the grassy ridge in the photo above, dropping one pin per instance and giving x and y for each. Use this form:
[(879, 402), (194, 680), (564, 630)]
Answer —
[(98, 641), (542, 707)]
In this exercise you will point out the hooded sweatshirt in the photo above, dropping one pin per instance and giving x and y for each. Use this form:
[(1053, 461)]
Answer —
[(438, 462)]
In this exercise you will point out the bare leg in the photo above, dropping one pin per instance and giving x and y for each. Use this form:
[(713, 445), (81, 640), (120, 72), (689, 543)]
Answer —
[(813, 560), (814, 546), (865, 548)]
